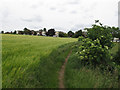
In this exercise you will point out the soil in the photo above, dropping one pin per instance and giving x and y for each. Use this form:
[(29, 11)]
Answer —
[(61, 73)]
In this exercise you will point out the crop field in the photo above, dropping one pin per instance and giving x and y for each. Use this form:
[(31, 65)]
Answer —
[(35, 62), (24, 59)]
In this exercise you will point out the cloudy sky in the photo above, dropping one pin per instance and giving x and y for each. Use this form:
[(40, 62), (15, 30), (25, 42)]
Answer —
[(63, 15)]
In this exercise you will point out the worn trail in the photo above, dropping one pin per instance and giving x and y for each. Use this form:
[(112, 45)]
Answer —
[(61, 73)]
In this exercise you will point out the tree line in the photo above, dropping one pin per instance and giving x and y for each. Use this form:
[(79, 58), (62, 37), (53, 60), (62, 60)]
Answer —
[(51, 32), (26, 31)]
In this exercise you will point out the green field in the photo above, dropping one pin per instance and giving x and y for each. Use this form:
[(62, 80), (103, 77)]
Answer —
[(35, 62), (29, 61)]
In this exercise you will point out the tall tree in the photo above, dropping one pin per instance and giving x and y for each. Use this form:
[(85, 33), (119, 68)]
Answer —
[(77, 34), (51, 32), (102, 33), (14, 32), (62, 34), (70, 33), (44, 29), (27, 31)]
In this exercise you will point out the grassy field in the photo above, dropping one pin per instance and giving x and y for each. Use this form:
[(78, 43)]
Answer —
[(79, 76), (34, 62), (29, 61)]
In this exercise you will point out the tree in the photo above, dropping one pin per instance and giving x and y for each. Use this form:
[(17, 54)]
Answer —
[(51, 32), (2, 32), (44, 29), (11, 32), (70, 33), (115, 32), (102, 33), (77, 34), (40, 31), (14, 32), (62, 34), (47, 34), (27, 31), (20, 32), (34, 32)]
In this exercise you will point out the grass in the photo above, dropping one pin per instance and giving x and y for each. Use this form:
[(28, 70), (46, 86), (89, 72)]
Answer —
[(79, 76), (32, 61), (115, 48)]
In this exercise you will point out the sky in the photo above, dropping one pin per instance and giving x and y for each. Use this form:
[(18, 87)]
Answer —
[(62, 15)]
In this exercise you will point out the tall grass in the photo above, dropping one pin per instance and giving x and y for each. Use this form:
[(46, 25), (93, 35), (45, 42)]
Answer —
[(28, 61), (79, 76), (115, 48)]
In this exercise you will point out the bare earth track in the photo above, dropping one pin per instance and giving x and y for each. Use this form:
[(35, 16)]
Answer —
[(61, 73)]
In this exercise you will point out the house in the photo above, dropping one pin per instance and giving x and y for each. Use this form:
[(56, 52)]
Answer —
[(19, 32), (56, 34), (43, 33), (116, 40), (38, 33)]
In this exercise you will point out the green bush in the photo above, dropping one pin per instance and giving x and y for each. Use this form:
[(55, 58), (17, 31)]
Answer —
[(92, 52), (81, 38), (102, 33), (79, 76)]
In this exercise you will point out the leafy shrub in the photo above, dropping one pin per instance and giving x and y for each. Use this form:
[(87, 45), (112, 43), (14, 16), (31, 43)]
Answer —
[(92, 52), (102, 33), (80, 38), (62, 34), (77, 34)]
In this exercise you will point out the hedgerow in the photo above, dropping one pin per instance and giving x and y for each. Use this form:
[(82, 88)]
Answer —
[(92, 52), (95, 49)]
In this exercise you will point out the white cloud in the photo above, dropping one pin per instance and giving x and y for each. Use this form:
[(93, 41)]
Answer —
[(34, 19), (59, 14)]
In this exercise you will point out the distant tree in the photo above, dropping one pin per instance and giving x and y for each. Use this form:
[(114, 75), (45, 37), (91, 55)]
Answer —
[(51, 32), (77, 34), (47, 34), (84, 34), (20, 32), (27, 31), (11, 32), (34, 32), (40, 31), (115, 32), (14, 32), (7, 32), (2, 32), (44, 29), (62, 34), (70, 33)]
